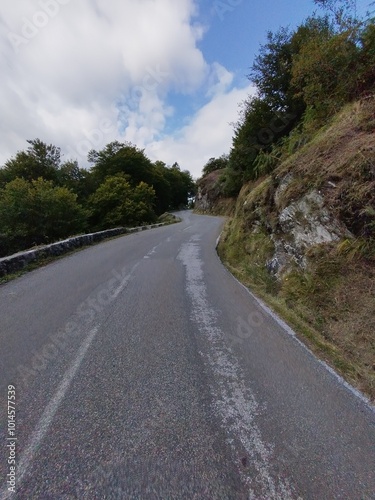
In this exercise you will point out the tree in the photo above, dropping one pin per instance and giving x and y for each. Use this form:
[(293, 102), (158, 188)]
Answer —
[(182, 186), (324, 71), (163, 188), (39, 160), (343, 12), (117, 203), (366, 60), (123, 158), (256, 130), (37, 212), (215, 164), (268, 116), (172, 187), (78, 180), (144, 200), (271, 73)]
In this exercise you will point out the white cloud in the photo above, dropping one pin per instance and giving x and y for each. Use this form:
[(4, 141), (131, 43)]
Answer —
[(208, 134), (68, 67), (220, 79)]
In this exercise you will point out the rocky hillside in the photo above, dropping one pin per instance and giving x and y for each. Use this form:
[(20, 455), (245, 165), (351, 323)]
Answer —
[(303, 238), (209, 198)]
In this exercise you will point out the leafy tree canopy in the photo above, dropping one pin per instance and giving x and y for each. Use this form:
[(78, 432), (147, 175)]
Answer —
[(271, 71), (39, 160), (79, 180), (343, 12), (117, 203), (215, 164), (123, 158), (35, 212)]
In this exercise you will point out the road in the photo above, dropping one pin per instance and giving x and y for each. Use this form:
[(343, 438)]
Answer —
[(144, 370)]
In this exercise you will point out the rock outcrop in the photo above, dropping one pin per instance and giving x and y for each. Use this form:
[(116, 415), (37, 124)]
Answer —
[(301, 225), (209, 198)]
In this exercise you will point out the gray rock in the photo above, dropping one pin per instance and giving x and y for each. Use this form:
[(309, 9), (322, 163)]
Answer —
[(302, 225)]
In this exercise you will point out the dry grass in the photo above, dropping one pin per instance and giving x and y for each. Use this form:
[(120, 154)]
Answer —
[(331, 307), (352, 330), (340, 162), (336, 298), (331, 304)]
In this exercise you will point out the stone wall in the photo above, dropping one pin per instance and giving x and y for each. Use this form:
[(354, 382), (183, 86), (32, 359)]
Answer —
[(17, 261)]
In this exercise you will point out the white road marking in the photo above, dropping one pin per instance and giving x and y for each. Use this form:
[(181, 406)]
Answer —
[(49, 413), (234, 402), (293, 334), (124, 282), (152, 251)]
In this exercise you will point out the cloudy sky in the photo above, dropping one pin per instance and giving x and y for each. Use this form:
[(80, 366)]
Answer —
[(166, 75)]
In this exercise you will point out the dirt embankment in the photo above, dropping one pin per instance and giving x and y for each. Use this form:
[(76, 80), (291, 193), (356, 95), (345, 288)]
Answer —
[(303, 238)]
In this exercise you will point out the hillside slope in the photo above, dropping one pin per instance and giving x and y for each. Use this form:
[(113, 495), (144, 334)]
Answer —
[(209, 197), (303, 238)]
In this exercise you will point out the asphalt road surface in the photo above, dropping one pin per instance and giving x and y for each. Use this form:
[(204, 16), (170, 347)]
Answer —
[(143, 370)]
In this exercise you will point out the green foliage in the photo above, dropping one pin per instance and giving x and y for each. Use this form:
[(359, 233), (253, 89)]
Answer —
[(39, 160), (182, 186), (324, 72), (123, 158), (215, 164), (39, 194), (271, 73), (231, 182), (259, 129), (303, 78), (172, 187), (37, 212), (366, 60), (266, 162), (117, 203), (79, 180), (357, 248), (248, 138)]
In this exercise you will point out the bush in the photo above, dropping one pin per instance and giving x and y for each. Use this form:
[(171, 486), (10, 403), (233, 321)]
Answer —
[(36, 212), (117, 203)]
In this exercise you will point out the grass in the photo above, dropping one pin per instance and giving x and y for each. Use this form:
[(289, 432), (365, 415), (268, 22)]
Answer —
[(332, 312), (339, 161), (331, 303)]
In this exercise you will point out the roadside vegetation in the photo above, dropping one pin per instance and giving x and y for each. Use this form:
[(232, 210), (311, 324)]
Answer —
[(309, 129), (330, 302), (303, 78), (43, 199)]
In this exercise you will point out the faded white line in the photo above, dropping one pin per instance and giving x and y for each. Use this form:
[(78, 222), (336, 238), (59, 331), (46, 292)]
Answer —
[(49, 413), (234, 401), (186, 228), (54, 404), (152, 251), (124, 282)]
